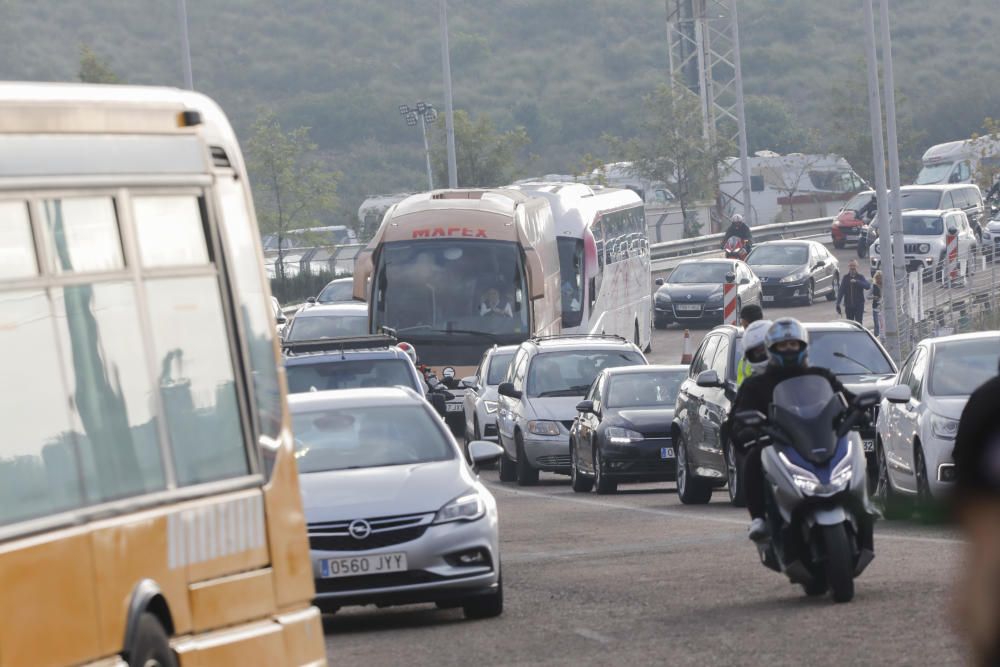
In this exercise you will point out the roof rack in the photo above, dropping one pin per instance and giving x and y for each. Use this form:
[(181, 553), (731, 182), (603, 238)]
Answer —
[(615, 337), (338, 344)]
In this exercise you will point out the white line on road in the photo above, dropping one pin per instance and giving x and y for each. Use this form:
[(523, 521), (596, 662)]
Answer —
[(596, 636), (690, 515)]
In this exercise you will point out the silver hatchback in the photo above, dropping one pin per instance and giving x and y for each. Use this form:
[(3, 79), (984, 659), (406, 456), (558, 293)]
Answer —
[(395, 515)]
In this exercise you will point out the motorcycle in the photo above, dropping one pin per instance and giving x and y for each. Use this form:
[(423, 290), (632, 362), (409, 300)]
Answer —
[(819, 517), (736, 248)]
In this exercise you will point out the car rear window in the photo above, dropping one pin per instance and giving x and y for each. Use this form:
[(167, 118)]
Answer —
[(498, 367), (570, 373), (348, 374), (646, 390), (336, 291), (847, 353), (332, 326)]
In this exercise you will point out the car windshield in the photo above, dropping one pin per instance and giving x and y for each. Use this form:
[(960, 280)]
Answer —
[(367, 437), (847, 353), (349, 375), (922, 225), (962, 365), (921, 199), (337, 291), (783, 255), (649, 389), (498, 367), (700, 272), (327, 326), (570, 373), (934, 173), (858, 201)]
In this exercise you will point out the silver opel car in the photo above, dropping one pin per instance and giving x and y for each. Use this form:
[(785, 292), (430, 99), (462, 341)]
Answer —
[(395, 514)]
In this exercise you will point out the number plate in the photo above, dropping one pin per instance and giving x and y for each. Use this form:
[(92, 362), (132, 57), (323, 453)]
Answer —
[(355, 566), (453, 407), (869, 444), (666, 452), (768, 298), (688, 306)]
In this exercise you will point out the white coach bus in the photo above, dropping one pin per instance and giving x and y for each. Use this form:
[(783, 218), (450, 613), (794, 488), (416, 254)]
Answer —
[(603, 259)]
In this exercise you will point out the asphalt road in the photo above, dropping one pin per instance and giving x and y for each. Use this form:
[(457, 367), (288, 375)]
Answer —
[(638, 579)]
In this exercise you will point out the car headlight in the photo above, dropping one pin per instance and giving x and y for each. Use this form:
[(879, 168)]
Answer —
[(791, 278), (491, 407), (622, 436), (944, 427), (924, 247), (542, 427), (663, 298), (467, 507), (715, 297)]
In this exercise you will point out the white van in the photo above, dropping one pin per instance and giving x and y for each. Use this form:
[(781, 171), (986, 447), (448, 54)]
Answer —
[(958, 161)]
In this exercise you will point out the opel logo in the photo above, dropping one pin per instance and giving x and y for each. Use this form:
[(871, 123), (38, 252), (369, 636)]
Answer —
[(359, 529)]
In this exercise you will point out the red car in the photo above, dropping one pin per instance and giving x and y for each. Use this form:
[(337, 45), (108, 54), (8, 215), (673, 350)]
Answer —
[(847, 224)]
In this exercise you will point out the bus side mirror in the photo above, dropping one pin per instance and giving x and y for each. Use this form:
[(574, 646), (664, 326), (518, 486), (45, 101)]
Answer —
[(536, 275)]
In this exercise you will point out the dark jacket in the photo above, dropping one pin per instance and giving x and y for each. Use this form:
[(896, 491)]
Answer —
[(757, 391), (852, 293), (876, 297), (977, 445), (741, 230)]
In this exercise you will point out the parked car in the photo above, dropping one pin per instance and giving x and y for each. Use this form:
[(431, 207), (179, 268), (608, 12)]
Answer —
[(329, 321), (480, 401), (846, 226), (795, 271), (339, 290), (394, 513), (991, 240), (548, 376), (622, 428), (692, 294), (925, 241), (918, 420)]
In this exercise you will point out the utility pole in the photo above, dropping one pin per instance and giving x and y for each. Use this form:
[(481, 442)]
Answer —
[(449, 111), (896, 205), (185, 44), (889, 309), (741, 121)]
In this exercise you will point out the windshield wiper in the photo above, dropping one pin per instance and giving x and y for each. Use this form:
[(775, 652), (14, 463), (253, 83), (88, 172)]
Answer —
[(572, 391), (469, 332), (841, 355)]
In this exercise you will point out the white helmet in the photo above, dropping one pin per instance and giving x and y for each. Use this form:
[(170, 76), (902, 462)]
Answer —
[(737, 218), (411, 352), (754, 346)]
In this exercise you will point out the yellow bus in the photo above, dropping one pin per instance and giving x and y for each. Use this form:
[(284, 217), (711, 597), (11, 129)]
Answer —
[(456, 271), (149, 504)]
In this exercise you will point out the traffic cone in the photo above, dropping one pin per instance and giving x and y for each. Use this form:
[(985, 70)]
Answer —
[(686, 354)]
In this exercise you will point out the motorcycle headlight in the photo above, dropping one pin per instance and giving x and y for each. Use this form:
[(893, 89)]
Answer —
[(542, 427), (467, 507), (944, 427), (805, 481), (843, 471), (491, 407), (622, 436)]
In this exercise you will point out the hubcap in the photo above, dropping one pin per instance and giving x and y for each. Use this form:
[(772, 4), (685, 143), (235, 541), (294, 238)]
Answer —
[(731, 469), (882, 485), (681, 467), (923, 492), (598, 465)]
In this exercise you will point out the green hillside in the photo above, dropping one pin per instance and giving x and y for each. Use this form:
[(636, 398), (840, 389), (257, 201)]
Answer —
[(567, 70)]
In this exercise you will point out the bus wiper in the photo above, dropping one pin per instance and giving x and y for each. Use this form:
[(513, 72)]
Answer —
[(841, 355), (470, 332), (571, 391)]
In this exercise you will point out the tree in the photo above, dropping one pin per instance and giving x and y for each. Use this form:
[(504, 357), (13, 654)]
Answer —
[(669, 147), (785, 174), (291, 187), (94, 69), (484, 157), (985, 147)]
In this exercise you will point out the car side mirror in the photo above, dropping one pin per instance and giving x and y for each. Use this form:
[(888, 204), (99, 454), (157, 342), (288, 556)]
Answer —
[(483, 451), (869, 399), (749, 418), (311, 299), (658, 282), (507, 389), (281, 319), (819, 265), (439, 402), (709, 378), (744, 281), (899, 393), (470, 382), (585, 406)]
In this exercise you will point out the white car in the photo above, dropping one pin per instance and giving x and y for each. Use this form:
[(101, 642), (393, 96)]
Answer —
[(480, 402), (394, 513), (918, 418), (925, 241)]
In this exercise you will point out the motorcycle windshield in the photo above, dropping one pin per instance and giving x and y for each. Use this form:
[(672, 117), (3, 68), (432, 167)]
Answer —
[(805, 408)]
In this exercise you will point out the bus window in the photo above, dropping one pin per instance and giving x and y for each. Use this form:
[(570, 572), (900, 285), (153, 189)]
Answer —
[(17, 251), (169, 231), (82, 234), (571, 272)]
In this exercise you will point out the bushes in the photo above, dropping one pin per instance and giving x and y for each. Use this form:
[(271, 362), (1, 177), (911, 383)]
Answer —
[(294, 289)]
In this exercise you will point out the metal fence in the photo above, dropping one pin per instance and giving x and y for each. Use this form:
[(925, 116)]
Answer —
[(338, 260)]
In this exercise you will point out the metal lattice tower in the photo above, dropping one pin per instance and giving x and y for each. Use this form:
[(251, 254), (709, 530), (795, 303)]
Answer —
[(704, 55)]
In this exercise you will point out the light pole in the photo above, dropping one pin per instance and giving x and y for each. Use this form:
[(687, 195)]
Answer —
[(449, 112), (185, 44), (427, 114)]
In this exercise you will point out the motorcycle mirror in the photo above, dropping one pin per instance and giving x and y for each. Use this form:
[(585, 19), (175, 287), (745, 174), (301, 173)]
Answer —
[(659, 282)]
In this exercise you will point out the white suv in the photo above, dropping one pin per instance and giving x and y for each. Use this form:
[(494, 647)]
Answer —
[(925, 240)]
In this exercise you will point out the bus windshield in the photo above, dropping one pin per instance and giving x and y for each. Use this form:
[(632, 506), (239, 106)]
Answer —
[(571, 279)]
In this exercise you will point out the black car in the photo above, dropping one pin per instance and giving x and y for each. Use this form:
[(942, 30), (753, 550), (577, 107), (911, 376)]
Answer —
[(622, 429), (795, 271), (692, 294)]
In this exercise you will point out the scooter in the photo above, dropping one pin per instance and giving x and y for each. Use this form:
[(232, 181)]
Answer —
[(736, 248), (819, 517)]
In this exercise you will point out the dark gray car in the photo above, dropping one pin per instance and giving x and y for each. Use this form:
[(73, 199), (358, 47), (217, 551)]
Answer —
[(795, 271), (692, 294)]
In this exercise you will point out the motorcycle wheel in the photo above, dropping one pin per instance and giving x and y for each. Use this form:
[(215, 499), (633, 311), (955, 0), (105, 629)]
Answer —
[(816, 587), (839, 563)]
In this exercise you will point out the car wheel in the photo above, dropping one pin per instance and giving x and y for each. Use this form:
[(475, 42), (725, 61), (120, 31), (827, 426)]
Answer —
[(601, 480), (508, 469), (810, 294), (526, 475), (832, 294), (659, 322), (485, 606), (734, 474), (151, 646), (926, 507), (691, 490), (579, 483), (888, 501)]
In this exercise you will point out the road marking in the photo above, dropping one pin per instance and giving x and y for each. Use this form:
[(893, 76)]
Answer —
[(596, 636), (694, 515)]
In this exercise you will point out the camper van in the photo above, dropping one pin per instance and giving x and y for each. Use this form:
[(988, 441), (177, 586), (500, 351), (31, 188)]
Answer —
[(959, 161), (791, 187)]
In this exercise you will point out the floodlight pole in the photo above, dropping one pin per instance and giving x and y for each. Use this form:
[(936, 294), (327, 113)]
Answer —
[(427, 151), (449, 112)]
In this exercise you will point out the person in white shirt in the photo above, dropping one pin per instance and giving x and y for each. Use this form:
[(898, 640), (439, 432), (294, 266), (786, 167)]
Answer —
[(492, 305)]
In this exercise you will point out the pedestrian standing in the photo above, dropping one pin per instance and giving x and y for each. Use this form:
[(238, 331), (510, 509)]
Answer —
[(877, 302), (852, 293)]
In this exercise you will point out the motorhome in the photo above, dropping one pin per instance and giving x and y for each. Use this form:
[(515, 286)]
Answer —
[(960, 161)]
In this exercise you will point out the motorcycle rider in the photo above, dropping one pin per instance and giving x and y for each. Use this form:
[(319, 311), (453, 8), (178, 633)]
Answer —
[(738, 228), (787, 343), (754, 350)]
